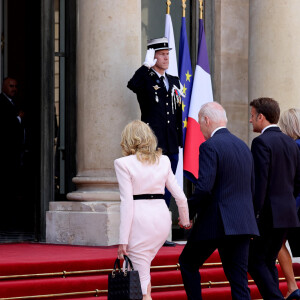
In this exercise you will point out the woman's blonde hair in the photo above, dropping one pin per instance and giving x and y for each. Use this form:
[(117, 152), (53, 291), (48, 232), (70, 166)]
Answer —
[(138, 138), (289, 122)]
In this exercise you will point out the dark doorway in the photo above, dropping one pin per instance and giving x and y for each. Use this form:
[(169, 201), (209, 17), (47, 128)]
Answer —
[(48, 152), (21, 53)]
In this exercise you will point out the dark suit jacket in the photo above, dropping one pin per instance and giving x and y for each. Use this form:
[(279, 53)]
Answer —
[(277, 179), (156, 108), (223, 197), (11, 134)]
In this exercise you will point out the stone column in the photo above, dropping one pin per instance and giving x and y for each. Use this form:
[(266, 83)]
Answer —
[(108, 53), (230, 66), (274, 52)]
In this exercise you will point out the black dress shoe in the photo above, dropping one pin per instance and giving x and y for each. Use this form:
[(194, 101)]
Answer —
[(169, 244), (295, 295)]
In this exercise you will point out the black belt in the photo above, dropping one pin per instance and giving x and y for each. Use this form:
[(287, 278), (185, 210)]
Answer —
[(148, 196)]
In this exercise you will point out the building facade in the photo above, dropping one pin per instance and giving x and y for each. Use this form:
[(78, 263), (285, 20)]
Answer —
[(73, 59)]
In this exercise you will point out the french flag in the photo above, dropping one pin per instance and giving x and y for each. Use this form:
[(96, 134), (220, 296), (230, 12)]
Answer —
[(201, 94)]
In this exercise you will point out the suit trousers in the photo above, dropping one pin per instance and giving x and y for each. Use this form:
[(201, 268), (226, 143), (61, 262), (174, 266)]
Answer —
[(233, 252), (174, 162), (262, 258)]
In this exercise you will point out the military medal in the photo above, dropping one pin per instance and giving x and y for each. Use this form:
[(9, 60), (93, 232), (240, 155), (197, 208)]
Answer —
[(176, 96), (156, 97), (156, 87)]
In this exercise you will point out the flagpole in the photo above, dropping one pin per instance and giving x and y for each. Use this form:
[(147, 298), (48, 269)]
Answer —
[(183, 8), (168, 6), (201, 9)]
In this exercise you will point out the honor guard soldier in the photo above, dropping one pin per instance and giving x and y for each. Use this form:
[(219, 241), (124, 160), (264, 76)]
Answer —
[(159, 96)]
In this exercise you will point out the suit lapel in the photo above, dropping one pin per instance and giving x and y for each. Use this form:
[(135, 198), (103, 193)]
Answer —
[(10, 106)]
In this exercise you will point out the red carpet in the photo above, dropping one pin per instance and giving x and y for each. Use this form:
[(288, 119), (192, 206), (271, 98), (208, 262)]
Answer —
[(29, 258)]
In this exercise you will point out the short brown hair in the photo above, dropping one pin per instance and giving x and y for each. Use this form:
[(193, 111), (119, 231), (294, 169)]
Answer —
[(267, 107)]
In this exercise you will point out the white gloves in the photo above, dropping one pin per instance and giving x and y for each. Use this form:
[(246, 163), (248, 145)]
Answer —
[(150, 61)]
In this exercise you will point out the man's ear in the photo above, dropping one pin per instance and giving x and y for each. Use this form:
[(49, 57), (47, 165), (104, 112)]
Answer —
[(207, 121), (261, 117)]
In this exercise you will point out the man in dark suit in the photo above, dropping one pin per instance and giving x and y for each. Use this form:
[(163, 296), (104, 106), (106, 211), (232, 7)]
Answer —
[(10, 123), (223, 203), (12, 137), (159, 96), (277, 182)]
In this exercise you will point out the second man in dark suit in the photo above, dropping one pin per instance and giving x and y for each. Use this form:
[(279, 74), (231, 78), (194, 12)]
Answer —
[(223, 203), (277, 182)]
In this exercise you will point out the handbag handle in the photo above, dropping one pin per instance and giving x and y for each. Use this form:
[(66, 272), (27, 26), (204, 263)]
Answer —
[(127, 261), (116, 265)]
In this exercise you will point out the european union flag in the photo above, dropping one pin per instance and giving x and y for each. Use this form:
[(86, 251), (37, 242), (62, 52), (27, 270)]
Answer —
[(185, 75)]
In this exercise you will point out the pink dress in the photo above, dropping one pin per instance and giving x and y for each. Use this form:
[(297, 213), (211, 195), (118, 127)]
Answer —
[(145, 224)]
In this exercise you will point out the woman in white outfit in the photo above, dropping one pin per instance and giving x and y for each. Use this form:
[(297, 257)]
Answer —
[(145, 221)]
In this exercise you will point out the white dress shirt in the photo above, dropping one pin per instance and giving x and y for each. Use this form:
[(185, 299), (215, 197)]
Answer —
[(166, 82), (272, 125), (216, 130)]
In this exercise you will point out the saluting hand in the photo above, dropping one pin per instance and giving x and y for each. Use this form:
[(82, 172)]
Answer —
[(150, 61)]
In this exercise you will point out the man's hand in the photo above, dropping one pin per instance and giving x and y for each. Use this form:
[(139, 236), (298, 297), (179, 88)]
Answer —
[(188, 226), (122, 250), (21, 114), (150, 61)]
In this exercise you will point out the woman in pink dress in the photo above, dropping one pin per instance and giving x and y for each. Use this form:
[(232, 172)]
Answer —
[(145, 220)]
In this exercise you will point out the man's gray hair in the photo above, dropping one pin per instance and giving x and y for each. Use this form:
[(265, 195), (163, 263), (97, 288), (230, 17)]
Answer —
[(214, 111)]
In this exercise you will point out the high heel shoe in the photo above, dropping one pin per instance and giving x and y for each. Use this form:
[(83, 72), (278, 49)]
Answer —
[(295, 295)]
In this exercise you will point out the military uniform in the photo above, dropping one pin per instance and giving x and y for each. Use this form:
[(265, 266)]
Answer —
[(160, 109)]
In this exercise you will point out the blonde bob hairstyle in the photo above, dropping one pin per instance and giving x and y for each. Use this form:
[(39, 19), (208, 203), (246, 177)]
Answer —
[(138, 138), (289, 123)]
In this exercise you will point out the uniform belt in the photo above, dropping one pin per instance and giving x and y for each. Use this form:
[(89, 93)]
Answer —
[(148, 196)]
